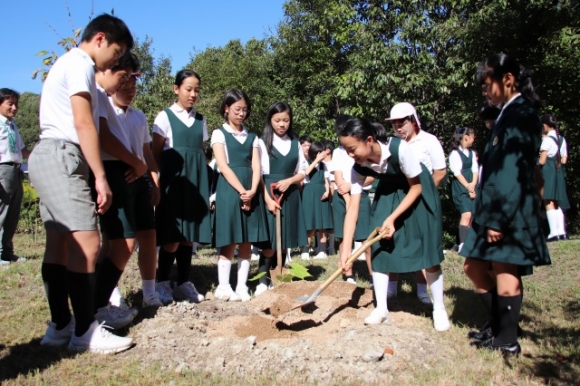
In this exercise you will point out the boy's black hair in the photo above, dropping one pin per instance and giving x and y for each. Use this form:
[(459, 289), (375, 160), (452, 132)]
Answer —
[(305, 138), (328, 145), (315, 148), (7, 93), (128, 60), (115, 30)]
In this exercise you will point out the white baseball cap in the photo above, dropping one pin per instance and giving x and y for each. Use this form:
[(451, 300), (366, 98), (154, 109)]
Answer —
[(403, 110)]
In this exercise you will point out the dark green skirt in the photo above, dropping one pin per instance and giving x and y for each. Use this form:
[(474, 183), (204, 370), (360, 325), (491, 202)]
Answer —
[(555, 184), (363, 224), (232, 225), (460, 195), (417, 242), (292, 218), (317, 213)]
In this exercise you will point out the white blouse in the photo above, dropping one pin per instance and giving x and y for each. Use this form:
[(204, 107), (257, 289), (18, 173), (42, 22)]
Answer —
[(217, 136), (455, 164), (162, 127), (283, 145)]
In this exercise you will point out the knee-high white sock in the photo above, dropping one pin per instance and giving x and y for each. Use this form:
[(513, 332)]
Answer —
[(357, 245), (393, 288), (435, 281), (243, 271), (561, 222), (552, 216), (224, 268), (380, 286)]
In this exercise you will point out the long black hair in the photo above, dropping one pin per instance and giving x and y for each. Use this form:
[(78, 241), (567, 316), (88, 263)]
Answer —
[(498, 65), (460, 132), (232, 96), (362, 129), (268, 133)]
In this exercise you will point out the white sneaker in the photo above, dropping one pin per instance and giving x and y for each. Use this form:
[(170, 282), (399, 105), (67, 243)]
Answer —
[(255, 257), (305, 256), (114, 317), (459, 248), (424, 298), (440, 320), (351, 280), (242, 292), (152, 300), (321, 256), (187, 291), (260, 289), (123, 305), (378, 316), (99, 339), (225, 292), (54, 337), (163, 288), (115, 298)]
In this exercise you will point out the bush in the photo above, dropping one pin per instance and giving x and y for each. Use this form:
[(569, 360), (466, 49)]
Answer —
[(30, 221)]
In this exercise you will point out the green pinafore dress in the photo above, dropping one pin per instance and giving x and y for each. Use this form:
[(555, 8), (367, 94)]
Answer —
[(183, 211), (363, 228), (317, 213), (232, 224), (292, 215), (416, 243), (554, 181), (460, 195)]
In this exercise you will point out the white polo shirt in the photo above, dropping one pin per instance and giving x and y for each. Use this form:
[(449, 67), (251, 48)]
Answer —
[(218, 137), (549, 145), (71, 74), (341, 162), (134, 123), (162, 127), (283, 145), (410, 166), (428, 150), (455, 163), (107, 112), (564, 148), (6, 154)]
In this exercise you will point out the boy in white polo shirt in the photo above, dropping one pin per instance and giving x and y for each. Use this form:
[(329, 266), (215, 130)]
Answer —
[(12, 149), (59, 168)]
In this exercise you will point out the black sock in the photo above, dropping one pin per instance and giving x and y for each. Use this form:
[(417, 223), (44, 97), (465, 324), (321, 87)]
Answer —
[(489, 301), (106, 280), (509, 315), (462, 233), (54, 278), (183, 259), (164, 264), (81, 289)]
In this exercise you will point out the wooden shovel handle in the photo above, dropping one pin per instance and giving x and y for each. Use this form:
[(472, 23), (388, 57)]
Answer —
[(373, 238)]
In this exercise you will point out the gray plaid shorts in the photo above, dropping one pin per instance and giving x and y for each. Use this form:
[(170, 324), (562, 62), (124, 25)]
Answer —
[(60, 174)]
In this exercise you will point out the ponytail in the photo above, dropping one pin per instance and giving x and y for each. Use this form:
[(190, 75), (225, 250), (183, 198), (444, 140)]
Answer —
[(550, 121)]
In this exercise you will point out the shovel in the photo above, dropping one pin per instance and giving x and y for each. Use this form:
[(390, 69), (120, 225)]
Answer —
[(308, 299), (279, 270)]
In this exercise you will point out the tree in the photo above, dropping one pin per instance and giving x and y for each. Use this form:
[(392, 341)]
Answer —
[(27, 118)]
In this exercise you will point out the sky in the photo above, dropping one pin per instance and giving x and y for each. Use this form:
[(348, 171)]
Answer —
[(177, 28)]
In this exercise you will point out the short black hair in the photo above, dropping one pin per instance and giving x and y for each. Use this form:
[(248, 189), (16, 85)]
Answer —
[(7, 93), (128, 60), (115, 30), (305, 138)]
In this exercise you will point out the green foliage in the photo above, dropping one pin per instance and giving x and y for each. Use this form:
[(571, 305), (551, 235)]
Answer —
[(296, 271), (30, 221), (27, 118)]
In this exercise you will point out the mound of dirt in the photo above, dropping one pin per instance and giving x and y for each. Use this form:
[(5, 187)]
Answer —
[(324, 342)]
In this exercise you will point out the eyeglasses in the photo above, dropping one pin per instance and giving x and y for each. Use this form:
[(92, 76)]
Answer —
[(399, 123), (239, 110)]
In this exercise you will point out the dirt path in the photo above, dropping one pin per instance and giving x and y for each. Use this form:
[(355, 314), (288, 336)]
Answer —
[(323, 343)]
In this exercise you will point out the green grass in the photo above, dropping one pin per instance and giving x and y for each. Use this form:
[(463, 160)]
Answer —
[(550, 319)]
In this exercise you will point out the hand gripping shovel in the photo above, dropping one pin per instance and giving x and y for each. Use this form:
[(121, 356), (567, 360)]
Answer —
[(373, 238), (279, 270)]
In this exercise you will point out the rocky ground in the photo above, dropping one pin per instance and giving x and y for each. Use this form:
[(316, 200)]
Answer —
[(326, 342)]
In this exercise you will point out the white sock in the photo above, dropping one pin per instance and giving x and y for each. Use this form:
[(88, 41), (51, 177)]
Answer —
[(224, 268), (357, 245), (421, 289), (435, 280), (552, 216), (195, 245), (243, 271), (380, 286), (115, 298), (392, 287), (148, 287), (561, 222)]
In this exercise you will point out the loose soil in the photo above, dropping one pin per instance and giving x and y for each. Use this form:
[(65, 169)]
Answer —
[(324, 342)]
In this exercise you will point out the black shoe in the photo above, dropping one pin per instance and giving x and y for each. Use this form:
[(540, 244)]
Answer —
[(563, 237), (483, 333), (552, 239), (509, 349)]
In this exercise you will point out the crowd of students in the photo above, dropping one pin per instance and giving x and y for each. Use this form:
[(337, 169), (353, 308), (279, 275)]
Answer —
[(96, 159)]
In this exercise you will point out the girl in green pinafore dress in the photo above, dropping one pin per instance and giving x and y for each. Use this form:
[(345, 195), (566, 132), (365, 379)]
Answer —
[(405, 206), (463, 165), (315, 198), (283, 164), (555, 196), (182, 216), (506, 229), (239, 209)]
